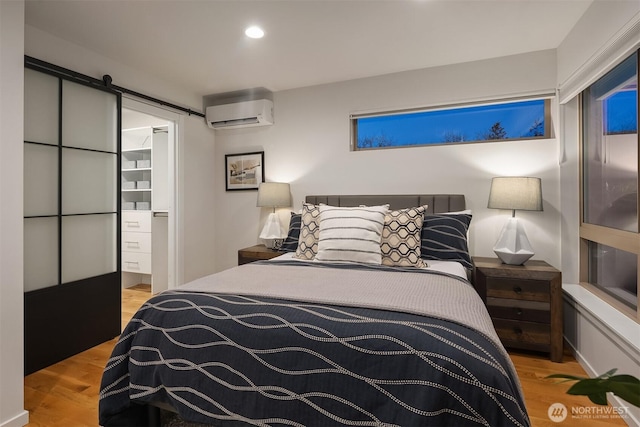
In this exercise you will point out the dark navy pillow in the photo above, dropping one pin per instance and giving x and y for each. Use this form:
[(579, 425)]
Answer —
[(291, 242), (444, 238)]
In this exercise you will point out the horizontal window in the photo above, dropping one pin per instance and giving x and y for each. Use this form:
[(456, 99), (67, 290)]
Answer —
[(478, 123)]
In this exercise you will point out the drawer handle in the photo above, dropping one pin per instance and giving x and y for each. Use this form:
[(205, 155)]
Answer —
[(517, 289), (518, 311), (131, 223), (517, 330), (132, 242), (132, 262)]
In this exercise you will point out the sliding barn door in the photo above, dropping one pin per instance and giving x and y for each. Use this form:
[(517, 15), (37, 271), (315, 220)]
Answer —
[(71, 217)]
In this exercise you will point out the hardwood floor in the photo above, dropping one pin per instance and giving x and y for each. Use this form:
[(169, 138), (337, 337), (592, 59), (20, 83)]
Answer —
[(66, 394), (541, 393)]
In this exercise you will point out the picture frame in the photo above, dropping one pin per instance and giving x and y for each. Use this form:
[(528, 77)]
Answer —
[(244, 171)]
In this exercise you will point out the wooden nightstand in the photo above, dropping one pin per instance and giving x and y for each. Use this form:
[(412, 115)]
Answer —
[(525, 303), (256, 253)]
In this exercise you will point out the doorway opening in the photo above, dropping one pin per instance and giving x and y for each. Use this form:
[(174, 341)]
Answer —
[(148, 196)]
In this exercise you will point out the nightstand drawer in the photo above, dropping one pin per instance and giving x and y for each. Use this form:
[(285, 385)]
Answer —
[(521, 289), (530, 311), (523, 334)]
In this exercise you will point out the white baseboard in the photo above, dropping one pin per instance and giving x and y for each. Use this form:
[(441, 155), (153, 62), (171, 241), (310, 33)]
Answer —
[(19, 420)]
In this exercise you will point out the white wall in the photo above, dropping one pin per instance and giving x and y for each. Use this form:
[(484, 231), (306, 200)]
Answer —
[(196, 191), (12, 411), (601, 23), (47, 47), (570, 191), (309, 147)]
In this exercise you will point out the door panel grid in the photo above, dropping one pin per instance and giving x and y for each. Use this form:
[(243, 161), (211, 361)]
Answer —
[(72, 215)]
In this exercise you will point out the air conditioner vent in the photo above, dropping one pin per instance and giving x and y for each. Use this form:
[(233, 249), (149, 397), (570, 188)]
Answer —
[(240, 114)]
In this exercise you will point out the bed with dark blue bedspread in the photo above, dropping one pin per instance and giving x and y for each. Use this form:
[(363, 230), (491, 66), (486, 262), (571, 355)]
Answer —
[(224, 358)]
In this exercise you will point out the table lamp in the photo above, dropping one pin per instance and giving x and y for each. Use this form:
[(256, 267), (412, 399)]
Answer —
[(514, 193), (273, 195)]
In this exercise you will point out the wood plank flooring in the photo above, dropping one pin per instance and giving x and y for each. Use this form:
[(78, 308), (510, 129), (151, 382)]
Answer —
[(66, 394)]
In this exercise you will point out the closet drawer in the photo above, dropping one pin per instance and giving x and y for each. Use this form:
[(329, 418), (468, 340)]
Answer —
[(136, 221), (133, 241), (134, 262)]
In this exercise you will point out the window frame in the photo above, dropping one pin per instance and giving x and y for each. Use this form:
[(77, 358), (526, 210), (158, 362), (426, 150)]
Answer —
[(548, 128), (627, 241)]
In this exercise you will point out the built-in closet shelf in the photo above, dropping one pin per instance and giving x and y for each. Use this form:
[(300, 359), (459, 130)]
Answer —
[(137, 168), (144, 172), (133, 150)]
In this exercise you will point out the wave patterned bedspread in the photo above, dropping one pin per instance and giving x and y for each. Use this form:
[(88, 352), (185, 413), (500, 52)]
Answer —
[(330, 358)]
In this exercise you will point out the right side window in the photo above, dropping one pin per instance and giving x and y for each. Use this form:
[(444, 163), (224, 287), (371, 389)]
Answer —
[(610, 249)]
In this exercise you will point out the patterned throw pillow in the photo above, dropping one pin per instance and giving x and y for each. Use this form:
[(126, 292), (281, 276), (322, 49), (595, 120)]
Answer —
[(400, 244), (351, 234), (290, 244), (309, 232), (444, 237)]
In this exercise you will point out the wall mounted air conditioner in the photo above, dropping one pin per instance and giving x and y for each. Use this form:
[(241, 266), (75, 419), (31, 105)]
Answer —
[(240, 114)]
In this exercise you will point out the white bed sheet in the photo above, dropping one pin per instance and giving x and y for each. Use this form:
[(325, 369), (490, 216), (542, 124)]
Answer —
[(450, 267)]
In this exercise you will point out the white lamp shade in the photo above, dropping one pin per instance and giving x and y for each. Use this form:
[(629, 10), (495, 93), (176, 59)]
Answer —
[(516, 193), (274, 195)]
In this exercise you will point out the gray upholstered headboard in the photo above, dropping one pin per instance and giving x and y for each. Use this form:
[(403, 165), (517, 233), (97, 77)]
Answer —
[(438, 203)]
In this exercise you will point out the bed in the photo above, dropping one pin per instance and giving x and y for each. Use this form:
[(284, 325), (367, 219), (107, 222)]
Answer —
[(331, 333)]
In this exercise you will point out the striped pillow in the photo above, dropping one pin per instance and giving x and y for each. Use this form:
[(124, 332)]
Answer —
[(351, 234), (291, 242), (444, 237)]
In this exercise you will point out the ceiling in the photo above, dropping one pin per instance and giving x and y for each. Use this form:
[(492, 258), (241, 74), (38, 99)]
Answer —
[(201, 47)]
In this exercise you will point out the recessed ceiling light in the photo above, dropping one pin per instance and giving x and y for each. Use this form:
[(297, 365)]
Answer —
[(254, 32)]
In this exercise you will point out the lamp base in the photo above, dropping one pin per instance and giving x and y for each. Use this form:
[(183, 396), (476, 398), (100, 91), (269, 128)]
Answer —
[(513, 246), (274, 244), (272, 233)]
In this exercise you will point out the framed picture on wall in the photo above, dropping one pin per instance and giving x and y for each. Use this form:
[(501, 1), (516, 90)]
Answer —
[(244, 171)]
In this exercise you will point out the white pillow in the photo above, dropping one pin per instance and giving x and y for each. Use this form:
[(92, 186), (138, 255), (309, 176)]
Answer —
[(351, 234), (464, 212)]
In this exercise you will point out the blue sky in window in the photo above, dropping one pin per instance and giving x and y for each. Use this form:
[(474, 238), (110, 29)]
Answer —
[(454, 125), (622, 112)]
